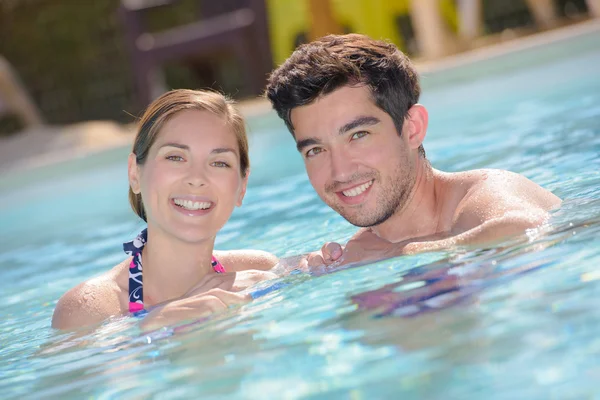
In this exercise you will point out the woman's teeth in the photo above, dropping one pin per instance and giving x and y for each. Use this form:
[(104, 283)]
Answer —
[(357, 190), (192, 205)]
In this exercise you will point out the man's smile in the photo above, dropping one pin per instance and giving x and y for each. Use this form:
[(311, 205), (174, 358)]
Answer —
[(355, 194)]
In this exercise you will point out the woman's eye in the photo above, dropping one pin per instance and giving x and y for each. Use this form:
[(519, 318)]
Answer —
[(220, 164), (359, 135), (313, 152), (174, 158)]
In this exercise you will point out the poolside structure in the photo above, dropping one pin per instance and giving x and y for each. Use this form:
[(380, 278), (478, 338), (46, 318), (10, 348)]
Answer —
[(14, 98), (224, 27)]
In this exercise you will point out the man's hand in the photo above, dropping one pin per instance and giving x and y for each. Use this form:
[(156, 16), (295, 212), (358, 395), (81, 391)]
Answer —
[(363, 248), (329, 253)]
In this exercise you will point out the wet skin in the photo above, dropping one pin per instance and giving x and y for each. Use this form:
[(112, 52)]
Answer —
[(377, 180)]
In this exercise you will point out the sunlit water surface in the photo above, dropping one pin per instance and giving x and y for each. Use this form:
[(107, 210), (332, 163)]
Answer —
[(518, 321)]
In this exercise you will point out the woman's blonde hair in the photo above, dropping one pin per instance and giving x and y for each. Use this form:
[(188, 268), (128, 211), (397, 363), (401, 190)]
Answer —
[(169, 104)]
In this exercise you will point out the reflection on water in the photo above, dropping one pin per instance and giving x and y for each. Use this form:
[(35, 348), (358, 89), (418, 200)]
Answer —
[(450, 281)]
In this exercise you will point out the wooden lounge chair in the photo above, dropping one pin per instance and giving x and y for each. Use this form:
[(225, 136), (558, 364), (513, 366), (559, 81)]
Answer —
[(237, 27)]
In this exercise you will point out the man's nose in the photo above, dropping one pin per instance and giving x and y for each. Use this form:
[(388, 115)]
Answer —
[(342, 166)]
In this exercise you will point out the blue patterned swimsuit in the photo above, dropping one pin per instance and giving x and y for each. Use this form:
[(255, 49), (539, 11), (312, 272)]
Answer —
[(136, 283)]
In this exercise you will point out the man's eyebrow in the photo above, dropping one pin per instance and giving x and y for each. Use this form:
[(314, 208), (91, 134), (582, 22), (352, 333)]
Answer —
[(304, 143), (360, 121)]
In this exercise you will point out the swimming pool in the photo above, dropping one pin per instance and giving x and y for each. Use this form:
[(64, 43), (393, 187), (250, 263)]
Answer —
[(517, 321)]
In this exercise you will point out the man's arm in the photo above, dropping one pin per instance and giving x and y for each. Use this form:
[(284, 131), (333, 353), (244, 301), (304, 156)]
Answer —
[(503, 206), (489, 232)]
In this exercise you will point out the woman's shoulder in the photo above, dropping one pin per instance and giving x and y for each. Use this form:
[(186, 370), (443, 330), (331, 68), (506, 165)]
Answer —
[(240, 260), (91, 301)]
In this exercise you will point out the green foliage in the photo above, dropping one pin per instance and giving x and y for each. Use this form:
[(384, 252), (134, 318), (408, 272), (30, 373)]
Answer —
[(72, 57)]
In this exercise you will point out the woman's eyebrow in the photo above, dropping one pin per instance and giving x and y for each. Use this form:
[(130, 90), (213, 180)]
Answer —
[(177, 145), (220, 150)]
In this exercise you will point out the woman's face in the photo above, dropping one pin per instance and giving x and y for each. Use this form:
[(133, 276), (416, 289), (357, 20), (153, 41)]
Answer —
[(191, 180)]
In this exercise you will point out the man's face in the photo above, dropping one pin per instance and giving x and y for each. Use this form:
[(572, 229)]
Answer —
[(354, 157)]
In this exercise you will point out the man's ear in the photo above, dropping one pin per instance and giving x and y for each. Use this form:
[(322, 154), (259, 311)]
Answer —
[(244, 187), (133, 172), (415, 125)]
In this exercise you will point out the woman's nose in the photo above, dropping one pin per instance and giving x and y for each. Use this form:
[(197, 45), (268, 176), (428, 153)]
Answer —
[(196, 177)]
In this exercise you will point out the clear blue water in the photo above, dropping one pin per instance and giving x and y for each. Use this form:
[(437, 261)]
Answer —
[(521, 320)]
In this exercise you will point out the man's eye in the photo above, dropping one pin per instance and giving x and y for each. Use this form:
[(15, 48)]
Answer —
[(313, 152), (359, 135), (174, 158), (220, 164)]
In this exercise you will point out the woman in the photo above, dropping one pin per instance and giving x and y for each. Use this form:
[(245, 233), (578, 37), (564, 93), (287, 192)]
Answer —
[(188, 170)]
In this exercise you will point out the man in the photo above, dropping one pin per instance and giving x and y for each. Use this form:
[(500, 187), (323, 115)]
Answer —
[(351, 104)]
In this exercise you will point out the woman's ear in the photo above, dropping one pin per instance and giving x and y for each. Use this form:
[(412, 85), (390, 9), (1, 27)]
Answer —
[(133, 172), (243, 190), (415, 125)]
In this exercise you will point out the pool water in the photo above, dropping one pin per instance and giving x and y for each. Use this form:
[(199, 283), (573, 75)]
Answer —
[(521, 320)]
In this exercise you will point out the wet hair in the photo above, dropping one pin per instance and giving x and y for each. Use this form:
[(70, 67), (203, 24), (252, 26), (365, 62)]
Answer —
[(320, 67), (171, 103)]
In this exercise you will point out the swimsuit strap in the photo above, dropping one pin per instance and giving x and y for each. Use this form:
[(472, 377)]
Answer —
[(217, 266), (136, 282)]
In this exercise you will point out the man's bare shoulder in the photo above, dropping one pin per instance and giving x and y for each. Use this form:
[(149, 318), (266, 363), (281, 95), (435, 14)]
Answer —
[(478, 178), (91, 301), (241, 260), (507, 186), (361, 234), (490, 193)]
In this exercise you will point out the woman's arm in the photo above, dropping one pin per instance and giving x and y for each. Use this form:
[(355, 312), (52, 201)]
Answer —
[(86, 304), (242, 260)]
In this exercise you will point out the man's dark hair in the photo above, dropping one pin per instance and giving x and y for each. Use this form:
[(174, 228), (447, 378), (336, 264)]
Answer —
[(322, 66)]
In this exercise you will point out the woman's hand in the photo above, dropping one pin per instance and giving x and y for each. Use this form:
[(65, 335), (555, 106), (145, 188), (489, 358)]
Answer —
[(214, 293), (230, 281), (194, 307)]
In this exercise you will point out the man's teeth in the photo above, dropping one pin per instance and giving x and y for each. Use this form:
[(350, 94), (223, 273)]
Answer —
[(357, 190), (192, 205)]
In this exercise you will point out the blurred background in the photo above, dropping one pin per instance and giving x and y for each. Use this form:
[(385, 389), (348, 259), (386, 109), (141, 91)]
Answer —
[(69, 61)]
